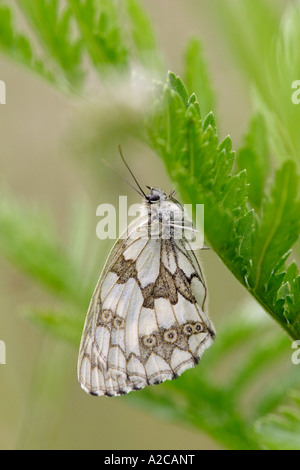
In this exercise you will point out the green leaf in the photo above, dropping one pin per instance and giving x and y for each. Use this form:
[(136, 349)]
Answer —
[(28, 240), (99, 24), (165, 125), (197, 78), (177, 85), (253, 157), (254, 247), (53, 27), (281, 431), (278, 230), (249, 26), (143, 37), (17, 46), (62, 324), (263, 26), (221, 406)]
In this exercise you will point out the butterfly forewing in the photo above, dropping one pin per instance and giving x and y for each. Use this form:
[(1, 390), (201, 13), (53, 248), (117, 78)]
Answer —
[(147, 321)]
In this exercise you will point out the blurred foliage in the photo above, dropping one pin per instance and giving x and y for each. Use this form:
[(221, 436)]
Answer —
[(252, 216), (264, 43), (282, 430)]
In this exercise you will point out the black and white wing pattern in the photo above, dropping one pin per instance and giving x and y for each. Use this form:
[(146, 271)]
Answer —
[(147, 321)]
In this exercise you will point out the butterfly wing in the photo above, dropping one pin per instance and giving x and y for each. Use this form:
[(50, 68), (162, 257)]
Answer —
[(173, 327), (147, 320), (102, 346)]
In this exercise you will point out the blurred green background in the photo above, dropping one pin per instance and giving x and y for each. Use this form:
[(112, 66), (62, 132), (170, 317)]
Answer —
[(41, 130)]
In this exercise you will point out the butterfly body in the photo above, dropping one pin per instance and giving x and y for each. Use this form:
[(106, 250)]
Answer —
[(147, 321)]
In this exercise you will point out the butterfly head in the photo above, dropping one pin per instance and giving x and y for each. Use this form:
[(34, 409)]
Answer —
[(156, 196)]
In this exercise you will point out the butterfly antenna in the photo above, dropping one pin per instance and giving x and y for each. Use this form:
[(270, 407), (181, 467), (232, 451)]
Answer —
[(128, 168), (121, 177)]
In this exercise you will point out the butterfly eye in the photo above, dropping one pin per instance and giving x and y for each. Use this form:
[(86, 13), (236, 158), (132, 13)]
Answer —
[(153, 198)]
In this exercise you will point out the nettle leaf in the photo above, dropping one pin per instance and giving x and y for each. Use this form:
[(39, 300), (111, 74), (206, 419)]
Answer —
[(143, 37), (111, 33), (17, 45), (196, 160), (101, 31), (197, 78), (254, 247), (9, 39), (54, 27), (275, 234), (253, 157)]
